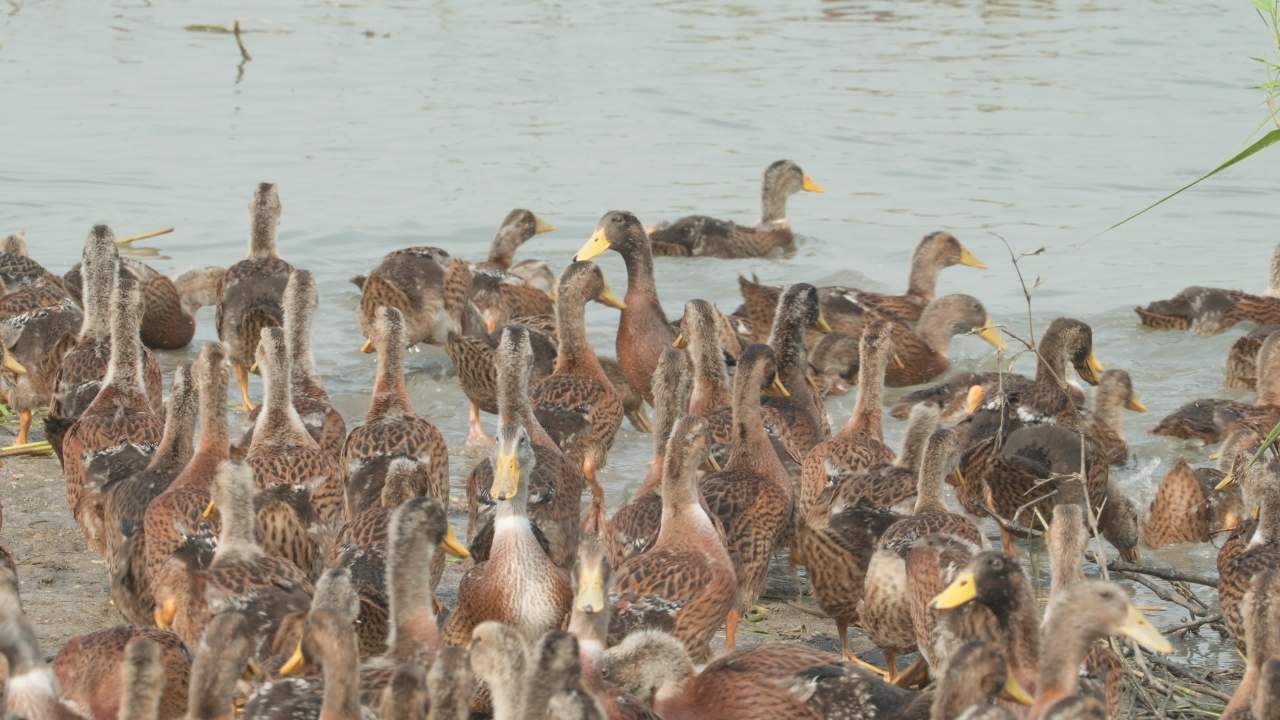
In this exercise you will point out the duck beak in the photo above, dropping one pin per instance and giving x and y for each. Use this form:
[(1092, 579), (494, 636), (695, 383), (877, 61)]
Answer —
[(650, 229), (1227, 480), (680, 342), (367, 347), (1140, 630), (1135, 404), (1095, 369), (208, 510), (973, 400), (961, 590), (594, 246), (992, 335), (453, 546), (608, 299), (506, 476), (165, 612), (967, 258), (1014, 692), (590, 597), (254, 367), (810, 186), (542, 226), (777, 389), (293, 666), (820, 324), (898, 362), (715, 465), (12, 365)]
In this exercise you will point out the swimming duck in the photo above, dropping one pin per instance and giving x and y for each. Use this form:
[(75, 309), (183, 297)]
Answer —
[(1209, 419), (1209, 311), (1080, 616), (91, 668), (408, 280), (391, 428), (1240, 560), (31, 687), (643, 330), (84, 367), (699, 235), (634, 527), (124, 503), (1115, 393), (221, 654), (576, 404), (920, 353), (253, 289), (33, 345), (517, 228), (934, 253), (885, 611), (120, 421), (555, 486), (688, 567), (1187, 507), (497, 295), (518, 584), (799, 420), (1242, 358)]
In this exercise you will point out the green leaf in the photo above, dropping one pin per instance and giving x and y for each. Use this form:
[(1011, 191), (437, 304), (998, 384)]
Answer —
[(1264, 6), (1267, 140)]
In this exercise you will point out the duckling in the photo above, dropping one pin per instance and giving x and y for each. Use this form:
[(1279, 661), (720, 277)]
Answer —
[(498, 658), (643, 330), (33, 344), (220, 656), (84, 367), (391, 428), (143, 682), (517, 228), (634, 527), (253, 289), (449, 684), (798, 419), (124, 504), (555, 483), (885, 610), (1242, 358), (1239, 562), (120, 421), (176, 514), (1209, 311), (699, 235), (1208, 419), (519, 584), (1187, 507), (1260, 623), (1086, 612), (31, 687), (688, 567), (90, 669), (269, 591), (576, 404)]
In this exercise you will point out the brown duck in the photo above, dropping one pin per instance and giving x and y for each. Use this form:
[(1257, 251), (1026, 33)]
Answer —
[(91, 670), (1209, 311), (168, 308), (1253, 549), (1209, 419), (711, 396), (799, 419), (33, 345), (1188, 507), (1115, 394)]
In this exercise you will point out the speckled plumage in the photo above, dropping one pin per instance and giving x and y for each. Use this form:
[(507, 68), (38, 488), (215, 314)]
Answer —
[(90, 669)]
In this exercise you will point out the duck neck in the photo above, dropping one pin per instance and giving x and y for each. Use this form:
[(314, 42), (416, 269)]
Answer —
[(575, 356), (213, 415), (125, 369), (1051, 362), (341, 701), (302, 363), (750, 449), (413, 624), (642, 290), (773, 204), (279, 421), (236, 521), (176, 444), (1269, 378), (684, 518), (389, 396), (1060, 666), (502, 251), (787, 341), (929, 485), (95, 292), (1107, 413), (1273, 281), (866, 416), (262, 236), (922, 283), (710, 380), (934, 327)]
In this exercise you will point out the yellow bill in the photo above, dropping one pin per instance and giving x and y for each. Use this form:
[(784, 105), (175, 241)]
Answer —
[(1135, 404), (208, 510), (961, 590), (1227, 480), (820, 323), (992, 335), (367, 347), (542, 226), (293, 666), (590, 597), (1140, 630), (777, 389), (608, 299), (12, 365), (1014, 692), (1095, 368), (506, 476), (594, 246), (681, 342), (973, 399), (453, 546), (967, 258), (165, 613), (808, 185)]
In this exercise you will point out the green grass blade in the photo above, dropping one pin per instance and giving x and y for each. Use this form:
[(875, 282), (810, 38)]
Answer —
[(1265, 141)]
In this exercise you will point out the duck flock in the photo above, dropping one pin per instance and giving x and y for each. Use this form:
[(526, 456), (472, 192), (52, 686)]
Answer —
[(292, 571)]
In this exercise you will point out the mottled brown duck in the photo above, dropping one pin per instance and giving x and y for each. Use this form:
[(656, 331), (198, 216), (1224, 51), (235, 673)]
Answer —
[(1209, 419), (935, 252), (555, 488), (519, 584), (1242, 358), (409, 280), (1114, 395), (517, 228), (1262, 632), (499, 659), (634, 527), (1188, 507), (688, 568), (1241, 559), (220, 659), (711, 395), (168, 309), (118, 426), (643, 330), (125, 502), (798, 419), (33, 345), (702, 236), (887, 485), (91, 669), (920, 354), (80, 376), (1209, 311), (576, 404)]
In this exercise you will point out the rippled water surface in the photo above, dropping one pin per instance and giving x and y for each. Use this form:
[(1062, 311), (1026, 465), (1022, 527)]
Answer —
[(389, 124)]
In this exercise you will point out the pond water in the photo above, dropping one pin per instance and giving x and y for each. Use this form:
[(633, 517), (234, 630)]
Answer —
[(395, 123)]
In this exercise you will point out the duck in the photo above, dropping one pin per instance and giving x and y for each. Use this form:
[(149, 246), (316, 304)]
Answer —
[(253, 289), (391, 428), (1259, 623), (409, 280), (885, 611), (33, 345), (1209, 311), (1187, 507), (554, 662), (1081, 615), (518, 227), (1209, 419), (314, 407), (1253, 548), (921, 352), (498, 654), (934, 253), (711, 395), (634, 527), (702, 236), (449, 685), (220, 656), (31, 687), (1115, 393), (798, 419), (688, 569), (497, 295), (175, 516), (168, 310), (83, 368), (1242, 358), (643, 330), (119, 424), (124, 503), (576, 404), (555, 485), (518, 584), (271, 592), (91, 668), (25, 284)]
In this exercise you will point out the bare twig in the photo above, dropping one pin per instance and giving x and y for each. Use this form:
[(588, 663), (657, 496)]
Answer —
[(1183, 628), (1161, 592), (244, 54), (1164, 573)]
